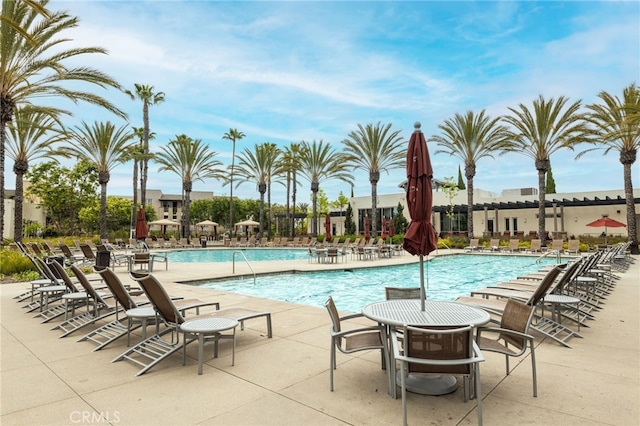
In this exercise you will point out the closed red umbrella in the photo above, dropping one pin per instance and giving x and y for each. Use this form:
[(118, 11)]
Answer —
[(420, 238), (142, 231), (383, 235), (391, 230), (327, 228), (366, 228)]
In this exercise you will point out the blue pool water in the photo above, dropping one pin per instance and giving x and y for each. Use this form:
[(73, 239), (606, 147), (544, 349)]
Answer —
[(226, 255), (448, 277)]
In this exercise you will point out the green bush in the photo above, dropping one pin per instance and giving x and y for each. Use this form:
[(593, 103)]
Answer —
[(13, 262)]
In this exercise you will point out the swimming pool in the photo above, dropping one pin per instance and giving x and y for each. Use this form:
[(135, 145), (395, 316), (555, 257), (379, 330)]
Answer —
[(447, 276), (226, 255)]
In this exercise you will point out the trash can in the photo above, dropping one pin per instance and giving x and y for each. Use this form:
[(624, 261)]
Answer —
[(103, 259), (203, 241)]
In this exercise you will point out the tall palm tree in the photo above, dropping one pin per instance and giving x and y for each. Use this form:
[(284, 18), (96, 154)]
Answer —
[(550, 126), (137, 154), (257, 166), (616, 123), (34, 64), (375, 149), (31, 136), (104, 146), (318, 162), (290, 166), (470, 137), (148, 97), (191, 160), (233, 135)]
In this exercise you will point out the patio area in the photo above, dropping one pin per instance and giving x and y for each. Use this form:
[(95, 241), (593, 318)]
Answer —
[(285, 380)]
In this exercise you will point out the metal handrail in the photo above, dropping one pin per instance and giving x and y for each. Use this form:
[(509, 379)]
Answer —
[(556, 252), (246, 260)]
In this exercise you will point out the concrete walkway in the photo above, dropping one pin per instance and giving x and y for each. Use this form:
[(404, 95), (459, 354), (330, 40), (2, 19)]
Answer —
[(46, 380)]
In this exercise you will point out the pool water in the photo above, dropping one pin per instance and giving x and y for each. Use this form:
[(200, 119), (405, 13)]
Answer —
[(446, 278), (226, 255)]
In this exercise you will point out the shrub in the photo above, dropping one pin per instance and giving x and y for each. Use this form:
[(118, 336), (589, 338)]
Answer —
[(13, 262)]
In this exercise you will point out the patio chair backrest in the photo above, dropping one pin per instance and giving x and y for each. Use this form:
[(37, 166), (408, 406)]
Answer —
[(536, 244), (159, 299), (545, 284), (87, 252), (393, 293), (333, 314), (439, 344), (516, 317), (65, 250), (84, 282), (116, 287), (513, 244), (63, 275)]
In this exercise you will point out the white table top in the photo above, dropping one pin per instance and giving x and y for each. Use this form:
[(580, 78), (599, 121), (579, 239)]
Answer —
[(407, 311), (208, 325), (144, 312)]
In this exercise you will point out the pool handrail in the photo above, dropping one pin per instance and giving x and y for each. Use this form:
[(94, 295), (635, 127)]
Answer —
[(233, 270)]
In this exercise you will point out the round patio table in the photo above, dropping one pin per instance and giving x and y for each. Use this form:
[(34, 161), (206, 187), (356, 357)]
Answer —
[(212, 328), (402, 312)]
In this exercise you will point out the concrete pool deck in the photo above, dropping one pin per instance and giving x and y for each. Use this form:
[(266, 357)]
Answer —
[(285, 380)]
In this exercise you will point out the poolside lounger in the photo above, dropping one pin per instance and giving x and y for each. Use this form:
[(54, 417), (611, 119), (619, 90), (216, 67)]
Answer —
[(153, 350)]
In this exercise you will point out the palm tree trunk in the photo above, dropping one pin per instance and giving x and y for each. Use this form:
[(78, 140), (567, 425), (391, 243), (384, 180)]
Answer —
[(233, 157), (6, 115), (470, 206), (145, 160), (135, 195), (268, 211), (187, 211), (314, 190), (19, 203), (631, 208), (262, 188), (293, 201), (288, 221), (103, 209), (541, 207), (373, 178)]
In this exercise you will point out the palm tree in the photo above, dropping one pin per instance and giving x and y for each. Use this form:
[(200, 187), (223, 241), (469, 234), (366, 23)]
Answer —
[(318, 161), (136, 153), (103, 146), (31, 136), (148, 97), (257, 166), (617, 128), (191, 160), (33, 64), (376, 149), (470, 137), (233, 135), (291, 168), (540, 132)]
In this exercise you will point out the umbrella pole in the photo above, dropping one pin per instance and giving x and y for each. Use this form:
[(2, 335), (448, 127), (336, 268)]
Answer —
[(423, 296)]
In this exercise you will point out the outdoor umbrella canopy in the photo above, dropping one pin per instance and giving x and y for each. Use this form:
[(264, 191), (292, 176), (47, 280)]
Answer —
[(142, 231), (207, 223), (327, 228), (420, 238), (366, 228), (606, 222), (165, 222), (248, 222)]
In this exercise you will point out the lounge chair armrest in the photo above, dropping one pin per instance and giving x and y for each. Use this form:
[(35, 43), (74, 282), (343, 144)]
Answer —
[(344, 333), (348, 317), (479, 330)]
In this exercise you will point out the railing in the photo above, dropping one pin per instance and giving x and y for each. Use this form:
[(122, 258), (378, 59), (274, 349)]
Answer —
[(556, 252), (247, 262)]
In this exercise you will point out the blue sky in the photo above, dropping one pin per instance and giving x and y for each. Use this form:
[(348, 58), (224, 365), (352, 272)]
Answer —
[(284, 72)]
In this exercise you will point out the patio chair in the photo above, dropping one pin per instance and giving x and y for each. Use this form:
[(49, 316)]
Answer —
[(536, 246), (35, 249), (450, 351), (88, 253), (71, 296), (154, 349), (393, 293), (473, 245), (494, 244), (573, 247), (355, 339), (513, 246), (69, 256), (512, 338)]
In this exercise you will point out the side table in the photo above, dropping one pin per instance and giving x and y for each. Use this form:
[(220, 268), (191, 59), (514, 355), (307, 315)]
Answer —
[(212, 329)]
